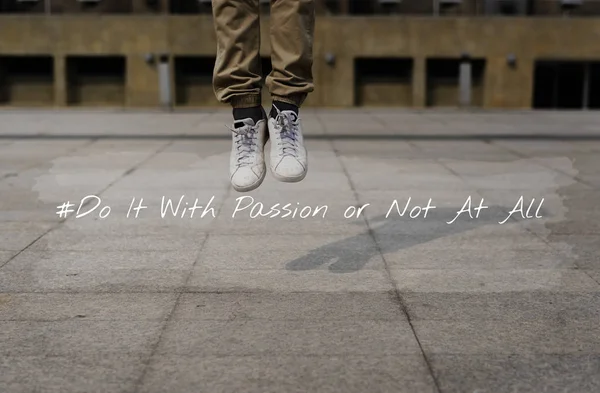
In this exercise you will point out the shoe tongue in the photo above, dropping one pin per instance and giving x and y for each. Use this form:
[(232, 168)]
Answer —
[(242, 123)]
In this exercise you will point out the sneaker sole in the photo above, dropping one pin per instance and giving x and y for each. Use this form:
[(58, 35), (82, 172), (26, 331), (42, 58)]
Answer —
[(251, 187), (286, 179)]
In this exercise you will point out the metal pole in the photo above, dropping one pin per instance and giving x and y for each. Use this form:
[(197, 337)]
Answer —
[(48, 6), (164, 82), (465, 83), (436, 7)]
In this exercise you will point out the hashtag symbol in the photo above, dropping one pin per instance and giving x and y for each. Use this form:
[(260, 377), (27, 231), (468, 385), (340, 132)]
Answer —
[(64, 209)]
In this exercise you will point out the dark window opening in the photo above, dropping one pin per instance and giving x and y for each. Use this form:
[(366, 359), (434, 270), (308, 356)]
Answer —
[(96, 80), (26, 80), (383, 81)]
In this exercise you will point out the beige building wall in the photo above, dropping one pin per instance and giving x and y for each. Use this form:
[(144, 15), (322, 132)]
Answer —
[(130, 38)]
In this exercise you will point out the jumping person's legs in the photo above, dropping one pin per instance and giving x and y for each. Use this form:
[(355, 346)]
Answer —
[(237, 81), (291, 80), (237, 72)]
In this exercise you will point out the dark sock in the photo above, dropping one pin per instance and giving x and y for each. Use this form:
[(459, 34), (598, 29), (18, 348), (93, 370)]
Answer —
[(254, 113), (283, 106)]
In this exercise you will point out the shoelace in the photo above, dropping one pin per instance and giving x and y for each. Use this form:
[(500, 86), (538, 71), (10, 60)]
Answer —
[(288, 131), (245, 143)]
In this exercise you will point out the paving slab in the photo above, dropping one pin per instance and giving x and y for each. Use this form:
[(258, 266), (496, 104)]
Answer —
[(72, 240), (75, 374), (95, 307), (517, 373), (466, 240), (492, 281), (85, 260), (390, 179), (283, 306), (393, 149), (153, 179), (16, 236), (148, 224), (302, 337), (45, 213), (586, 146), (292, 374), (421, 256), (539, 336), (516, 306), (594, 274), (5, 256), (108, 280), (97, 271), (582, 248), (292, 252), (592, 180), (278, 280), (76, 336)]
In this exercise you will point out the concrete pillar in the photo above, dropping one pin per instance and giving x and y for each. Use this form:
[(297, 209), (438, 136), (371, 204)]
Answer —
[(142, 88), (337, 83), (508, 87), (419, 82), (60, 81)]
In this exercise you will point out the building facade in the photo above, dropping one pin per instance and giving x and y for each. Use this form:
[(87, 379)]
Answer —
[(408, 53)]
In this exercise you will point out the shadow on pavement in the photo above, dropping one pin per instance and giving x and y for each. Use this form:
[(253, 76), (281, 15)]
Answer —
[(394, 234)]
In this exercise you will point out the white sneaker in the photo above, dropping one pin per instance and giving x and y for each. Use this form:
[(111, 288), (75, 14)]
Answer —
[(247, 162), (288, 155)]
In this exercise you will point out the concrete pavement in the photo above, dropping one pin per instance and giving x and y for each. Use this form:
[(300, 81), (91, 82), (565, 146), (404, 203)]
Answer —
[(203, 300)]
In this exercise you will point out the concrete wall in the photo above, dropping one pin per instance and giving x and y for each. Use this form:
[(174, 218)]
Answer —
[(131, 37), (404, 7)]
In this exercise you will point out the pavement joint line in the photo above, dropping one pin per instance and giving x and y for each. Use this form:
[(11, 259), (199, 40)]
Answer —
[(587, 273), (62, 221), (321, 123), (542, 164), (39, 163), (148, 361), (516, 220), (377, 120), (504, 209), (31, 243), (394, 288), (551, 245), (458, 175)]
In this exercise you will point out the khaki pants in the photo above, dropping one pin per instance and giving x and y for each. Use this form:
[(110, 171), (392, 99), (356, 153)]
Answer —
[(237, 77)]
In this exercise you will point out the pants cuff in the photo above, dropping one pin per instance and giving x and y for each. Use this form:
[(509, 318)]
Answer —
[(294, 99), (245, 101)]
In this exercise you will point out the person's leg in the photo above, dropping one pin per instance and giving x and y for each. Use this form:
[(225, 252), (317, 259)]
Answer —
[(237, 81), (237, 72), (291, 80), (292, 32)]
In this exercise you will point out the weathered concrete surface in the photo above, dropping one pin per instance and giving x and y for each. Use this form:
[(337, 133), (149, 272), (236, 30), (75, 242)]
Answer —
[(317, 304)]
